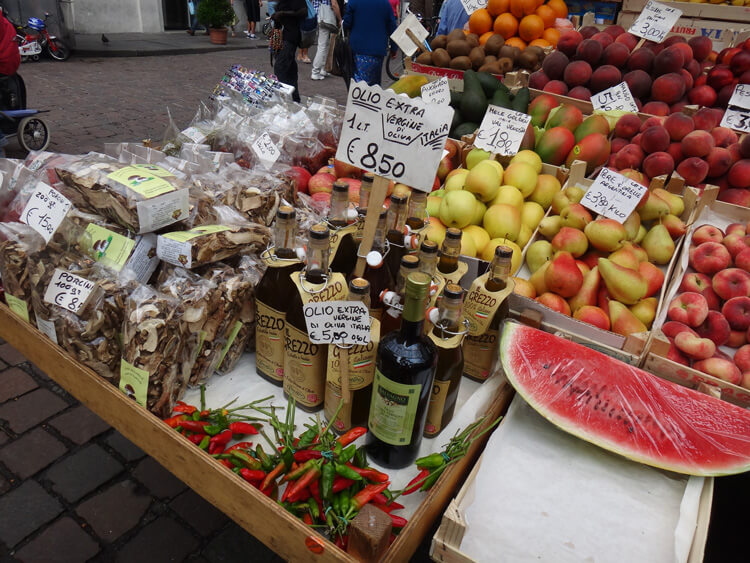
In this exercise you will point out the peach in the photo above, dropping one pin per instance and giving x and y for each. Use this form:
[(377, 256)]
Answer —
[(655, 139), (736, 228), (675, 151), (689, 308), (701, 47), (736, 197), (684, 49), (639, 83), (554, 302), (709, 258), (742, 358), (695, 347), (731, 283), (701, 283), (616, 54), (740, 63), (669, 60), (694, 68), (723, 136), (744, 146), (675, 355), (653, 121), (715, 328), (592, 315), (707, 233), (587, 32), (723, 96), (590, 51), (705, 119), (737, 312), (653, 275), (631, 156), (719, 76), (672, 39), (688, 83), (569, 41), (580, 93), (742, 260), (554, 65), (556, 87), (719, 161), (656, 108), (628, 125), (739, 174), (698, 143), (658, 164), (627, 39), (538, 79), (677, 107), (642, 59), (604, 38), (605, 77), (736, 243), (668, 88), (577, 73), (617, 144), (720, 368), (678, 125), (693, 169), (737, 338), (673, 328), (735, 151)]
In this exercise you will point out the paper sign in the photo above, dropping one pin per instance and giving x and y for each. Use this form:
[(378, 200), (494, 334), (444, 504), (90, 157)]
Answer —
[(736, 118), (655, 21), (266, 150), (394, 136), (472, 6), (402, 39), (615, 98), (45, 210), (502, 130), (741, 96), (613, 195), (68, 291), (338, 322), (437, 92)]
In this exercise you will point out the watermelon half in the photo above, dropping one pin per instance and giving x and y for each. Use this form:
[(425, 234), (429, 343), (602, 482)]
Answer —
[(624, 409)]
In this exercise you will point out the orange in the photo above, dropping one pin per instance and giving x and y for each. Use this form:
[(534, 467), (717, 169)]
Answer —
[(530, 28), (480, 22), (547, 14), (506, 25), (497, 7), (516, 42), (485, 36), (539, 3), (521, 8), (551, 35), (540, 43), (561, 10)]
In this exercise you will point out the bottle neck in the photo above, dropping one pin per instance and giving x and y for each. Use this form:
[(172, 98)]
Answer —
[(284, 236), (338, 214), (396, 222), (361, 297), (417, 207), (499, 274), (317, 261), (378, 241), (412, 317), (428, 263)]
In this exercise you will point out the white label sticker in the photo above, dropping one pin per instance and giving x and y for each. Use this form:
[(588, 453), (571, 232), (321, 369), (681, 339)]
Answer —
[(437, 92), (394, 136), (741, 96), (162, 210), (338, 322), (655, 21), (472, 6), (47, 327), (616, 98), (737, 119), (613, 195), (68, 291), (195, 135), (502, 130), (45, 210), (143, 261), (405, 34), (175, 252), (266, 149)]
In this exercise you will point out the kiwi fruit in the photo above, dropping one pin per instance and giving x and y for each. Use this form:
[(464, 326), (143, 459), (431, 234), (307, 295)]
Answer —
[(477, 57), (505, 64), (538, 50), (528, 60), (458, 49), (506, 51), (489, 67), (439, 42), (425, 58), (455, 35), (493, 45), (489, 59), (441, 58), (461, 63), (473, 40)]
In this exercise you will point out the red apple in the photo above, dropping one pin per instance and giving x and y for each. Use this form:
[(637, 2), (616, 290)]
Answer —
[(322, 182), (301, 178)]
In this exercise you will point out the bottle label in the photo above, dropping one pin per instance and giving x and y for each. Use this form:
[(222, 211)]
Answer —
[(393, 410), (449, 342), (480, 353), (269, 340), (304, 367), (480, 305), (337, 236), (270, 261), (134, 382), (455, 276), (439, 394), (334, 289)]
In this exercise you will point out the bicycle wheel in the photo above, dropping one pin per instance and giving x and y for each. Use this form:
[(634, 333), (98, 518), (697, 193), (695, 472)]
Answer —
[(394, 65), (58, 50), (33, 134)]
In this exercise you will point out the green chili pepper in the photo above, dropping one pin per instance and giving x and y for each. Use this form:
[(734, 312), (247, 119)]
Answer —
[(265, 461), (337, 504), (347, 453), (337, 449), (204, 443), (249, 462), (432, 461), (196, 415), (326, 482), (360, 457), (212, 429), (300, 471), (307, 438), (314, 512), (287, 456), (345, 500), (347, 472), (431, 478)]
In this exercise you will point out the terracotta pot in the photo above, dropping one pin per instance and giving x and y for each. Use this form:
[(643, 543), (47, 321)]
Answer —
[(218, 36)]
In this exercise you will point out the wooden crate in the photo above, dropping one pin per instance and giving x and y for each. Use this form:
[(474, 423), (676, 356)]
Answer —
[(256, 513)]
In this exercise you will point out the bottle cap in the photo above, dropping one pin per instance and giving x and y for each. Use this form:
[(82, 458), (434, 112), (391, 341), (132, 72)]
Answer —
[(398, 199), (374, 259), (453, 291), (418, 285), (429, 247), (360, 286), (389, 298), (340, 186), (411, 242), (368, 177), (453, 233), (503, 251), (319, 232), (285, 212), (352, 214), (433, 315), (301, 254), (410, 262)]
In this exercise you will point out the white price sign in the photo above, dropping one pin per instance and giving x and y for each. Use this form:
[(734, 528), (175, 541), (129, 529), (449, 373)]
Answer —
[(613, 195), (741, 96), (737, 119), (68, 291), (338, 322), (403, 39), (502, 130), (266, 150), (472, 6), (615, 98), (655, 21), (45, 210), (394, 136), (437, 92)]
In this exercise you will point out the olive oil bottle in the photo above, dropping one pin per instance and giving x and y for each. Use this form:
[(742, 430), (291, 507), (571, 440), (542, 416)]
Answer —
[(428, 258), (376, 272), (392, 315), (396, 234), (417, 213), (343, 247), (450, 251)]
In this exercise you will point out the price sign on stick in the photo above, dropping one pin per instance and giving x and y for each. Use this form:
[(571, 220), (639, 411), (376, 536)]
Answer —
[(410, 35), (655, 21), (472, 6), (393, 136), (437, 92), (741, 96), (736, 118), (68, 291), (502, 130), (338, 322), (45, 210), (613, 195), (615, 98), (266, 150)]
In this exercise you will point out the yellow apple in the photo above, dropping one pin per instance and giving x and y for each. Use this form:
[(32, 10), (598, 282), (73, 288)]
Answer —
[(521, 175), (509, 195), (456, 181), (435, 231), (529, 157), (401, 190), (468, 247), (457, 209), (502, 220), (531, 214), (546, 188), (524, 287), (433, 205), (479, 211), (483, 181), (475, 156), (480, 236), (489, 251)]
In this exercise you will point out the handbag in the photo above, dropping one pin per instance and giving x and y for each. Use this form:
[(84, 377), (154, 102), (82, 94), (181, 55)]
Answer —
[(340, 60), (327, 18)]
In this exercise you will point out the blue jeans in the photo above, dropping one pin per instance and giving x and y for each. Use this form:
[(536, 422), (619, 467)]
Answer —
[(271, 8), (194, 17)]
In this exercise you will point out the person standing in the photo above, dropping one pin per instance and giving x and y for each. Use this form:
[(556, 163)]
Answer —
[(324, 9), (452, 16), (252, 8), (194, 17), (371, 23), (288, 15)]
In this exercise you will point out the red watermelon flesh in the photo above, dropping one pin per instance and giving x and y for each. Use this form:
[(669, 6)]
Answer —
[(624, 409)]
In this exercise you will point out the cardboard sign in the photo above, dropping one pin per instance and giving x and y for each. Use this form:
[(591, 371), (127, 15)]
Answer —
[(741, 96), (613, 195), (502, 130), (736, 118), (472, 6), (266, 150), (45, 210), (655, 21), (338, 322), (68, 291), (396, 137), (616, 98), (409, 27), (437, 92)]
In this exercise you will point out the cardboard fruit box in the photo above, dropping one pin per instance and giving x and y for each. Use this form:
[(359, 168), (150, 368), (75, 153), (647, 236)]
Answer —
[(735, 14)]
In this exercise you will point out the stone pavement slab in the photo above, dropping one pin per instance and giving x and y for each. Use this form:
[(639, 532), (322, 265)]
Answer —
[(62, 542), (82, 472), (31, 409), (158, 44), (200, 514), (115, 511), (24, 509), (124, 447), (79, 424), (32, 452), (158, 480), (161, 540), (15, 383)]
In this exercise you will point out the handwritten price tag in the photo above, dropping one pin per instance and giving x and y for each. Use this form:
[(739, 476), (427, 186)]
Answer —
[(741, 96), (396, 137), (502, 130), (45, 210), (338, 322), (736, 118), (437, 92), (613, 195), (472, 6), (404, 35), (615, 98), (266, 150), (655, 21), (68, 291)]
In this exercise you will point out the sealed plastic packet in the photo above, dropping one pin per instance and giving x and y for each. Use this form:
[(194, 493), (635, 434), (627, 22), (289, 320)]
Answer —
[(17, 242)]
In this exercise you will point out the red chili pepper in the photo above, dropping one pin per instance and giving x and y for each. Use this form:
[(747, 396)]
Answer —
[(389, 507), (341, 483), (242, 428), (370, 474), (226, 463), (393, 539), (307, 519), (299, 496), (204, 413), (196, 438), (187, 409), (312, 474), (306, 455), (239, 446), (275, 472), (342, 542), (365, 495), (398, 521), (215, 449), (175, 421), (348, 437), (194, 425), (415, 483), (268, 491), (252, 475), (315, 490), (219, 442)]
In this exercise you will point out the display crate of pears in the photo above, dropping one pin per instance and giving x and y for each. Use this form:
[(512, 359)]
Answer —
[(599, 282)]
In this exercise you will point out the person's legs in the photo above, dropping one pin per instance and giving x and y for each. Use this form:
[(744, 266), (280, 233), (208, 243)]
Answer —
[(285, 67), (321, 55), (194, 18)]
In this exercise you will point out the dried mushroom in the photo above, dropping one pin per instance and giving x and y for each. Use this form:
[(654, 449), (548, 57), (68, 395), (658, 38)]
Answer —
[(17, 242), (210, 243)]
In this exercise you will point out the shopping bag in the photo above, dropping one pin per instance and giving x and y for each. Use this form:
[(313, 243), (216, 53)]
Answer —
[(309, 30), (327, 18), (340, 58)]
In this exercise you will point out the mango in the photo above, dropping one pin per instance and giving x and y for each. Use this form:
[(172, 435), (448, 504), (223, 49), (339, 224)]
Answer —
[(411, 85), (555, 144), (593, 149), (540, 107), (566, 116), (592, 124)]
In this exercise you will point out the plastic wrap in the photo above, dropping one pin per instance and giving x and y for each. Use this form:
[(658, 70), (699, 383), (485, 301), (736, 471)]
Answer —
[(13, 174), (46, 162), (17, 242)]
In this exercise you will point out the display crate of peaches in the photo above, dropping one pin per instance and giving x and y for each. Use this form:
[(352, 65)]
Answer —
[(704, 324)]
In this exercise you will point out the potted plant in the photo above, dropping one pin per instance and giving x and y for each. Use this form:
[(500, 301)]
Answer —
[(216, 15)]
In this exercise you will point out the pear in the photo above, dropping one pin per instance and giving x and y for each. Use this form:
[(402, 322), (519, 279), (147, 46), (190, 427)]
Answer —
[(658, 244), (626, 285), (537, 278), (559, 202), (623, 320), (654, 208), (641, 233), (524, 235), (576, 216), (587, 295), (631, 225), (675, 203), (562, 276), (550, 226), (639, 252), (674, 225), (575, 193), (625, 257), (645, 310), (570, 240), (606, 234), (537, 254)]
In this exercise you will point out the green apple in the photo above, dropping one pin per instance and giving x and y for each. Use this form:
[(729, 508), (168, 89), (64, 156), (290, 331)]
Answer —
[(483, 181), (476, 156), (478, 213), (457, 208), (433, 205), (438, 193), (502, 221), (456, 181)]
